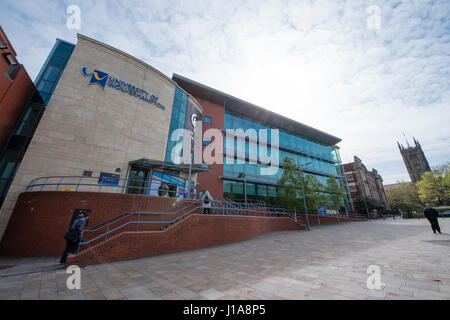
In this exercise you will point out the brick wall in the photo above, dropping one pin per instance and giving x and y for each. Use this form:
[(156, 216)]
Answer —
[(40, 219), (314, 219), (14, 94), (210, 180), (196, 231)]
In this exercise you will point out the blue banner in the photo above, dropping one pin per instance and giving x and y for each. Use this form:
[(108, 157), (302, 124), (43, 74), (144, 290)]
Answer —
[(109, 179)]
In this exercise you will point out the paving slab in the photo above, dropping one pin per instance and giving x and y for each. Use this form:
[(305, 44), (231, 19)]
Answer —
[(329, 262)]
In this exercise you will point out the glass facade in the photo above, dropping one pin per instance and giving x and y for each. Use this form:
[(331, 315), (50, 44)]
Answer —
[(178, 119), (53, 68), (45, 84), (314, 158)]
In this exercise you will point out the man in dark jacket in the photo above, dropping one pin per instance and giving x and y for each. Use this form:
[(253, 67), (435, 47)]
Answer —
[(432, 216), (73, 246)]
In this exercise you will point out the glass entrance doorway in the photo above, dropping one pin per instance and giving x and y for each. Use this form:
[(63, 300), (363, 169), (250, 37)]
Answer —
[(148, 182), (137, 181)]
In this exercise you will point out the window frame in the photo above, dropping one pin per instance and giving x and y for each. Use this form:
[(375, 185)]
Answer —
[(7, 55), (3, 44)]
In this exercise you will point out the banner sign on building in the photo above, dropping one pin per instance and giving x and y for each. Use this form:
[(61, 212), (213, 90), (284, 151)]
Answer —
[(175, 184), (104, 79), (109, 179)]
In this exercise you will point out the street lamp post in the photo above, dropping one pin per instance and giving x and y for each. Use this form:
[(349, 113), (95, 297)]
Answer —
[(194, 120), (363, 197), (303, 193), (244, 176)]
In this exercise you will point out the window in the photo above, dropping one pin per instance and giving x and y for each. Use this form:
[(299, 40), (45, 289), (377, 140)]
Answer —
[(2, 44), (12, 71), (352, 188), (207, 120), (12, 61)]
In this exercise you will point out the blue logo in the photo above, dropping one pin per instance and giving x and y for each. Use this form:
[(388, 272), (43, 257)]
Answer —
[(103, 79), (97, 76)]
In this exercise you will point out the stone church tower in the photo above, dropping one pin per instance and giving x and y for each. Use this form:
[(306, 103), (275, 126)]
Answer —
[(415, 161)]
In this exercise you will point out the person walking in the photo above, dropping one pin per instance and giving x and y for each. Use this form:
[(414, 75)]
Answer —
[(432, 216), (206, 203), (74, 236)]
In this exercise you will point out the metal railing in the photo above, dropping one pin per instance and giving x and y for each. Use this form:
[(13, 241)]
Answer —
[(93, 184), (141, 218)]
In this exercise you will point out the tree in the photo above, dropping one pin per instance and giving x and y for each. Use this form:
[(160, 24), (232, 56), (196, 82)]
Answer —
[(314, 193), (336, 198), (289, 185), (403, 195), (290, 192), (435, 186)]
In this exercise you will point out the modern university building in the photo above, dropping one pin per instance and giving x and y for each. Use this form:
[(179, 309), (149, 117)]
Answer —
[(102, 123)]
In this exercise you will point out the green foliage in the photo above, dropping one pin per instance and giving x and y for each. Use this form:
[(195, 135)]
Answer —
[(314, 193), (360, 205), (435, 186), (337, 193), (289, 185), (403, 196), (290, 192)]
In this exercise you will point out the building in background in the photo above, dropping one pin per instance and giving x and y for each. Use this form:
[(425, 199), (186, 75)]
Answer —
[(415, 161), (314, 151), (101, 115), (101, 120), (31, 112), (16, 89), (365, 184)]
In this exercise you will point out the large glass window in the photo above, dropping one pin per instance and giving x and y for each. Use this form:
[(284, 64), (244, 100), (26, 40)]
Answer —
[(312, 157), (178, 119), (2, 44)]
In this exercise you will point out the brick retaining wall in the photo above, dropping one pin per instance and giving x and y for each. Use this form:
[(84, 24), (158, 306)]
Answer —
[(40, 219), (195, 231)]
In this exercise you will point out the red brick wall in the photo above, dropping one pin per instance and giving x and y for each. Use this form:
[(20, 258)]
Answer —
[(314, 219), (210, 180), (40, 219), (13, 94), (196, 231)]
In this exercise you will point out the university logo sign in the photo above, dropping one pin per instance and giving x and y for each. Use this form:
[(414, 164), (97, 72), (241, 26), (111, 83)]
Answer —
[(104, 79), (99, 77)]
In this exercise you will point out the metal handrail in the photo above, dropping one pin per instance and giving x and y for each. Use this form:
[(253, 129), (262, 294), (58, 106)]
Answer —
[(57, 182), (128, 214), (162, 222)]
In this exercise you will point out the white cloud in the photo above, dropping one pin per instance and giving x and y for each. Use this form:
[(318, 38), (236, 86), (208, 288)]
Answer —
[(314, 61)]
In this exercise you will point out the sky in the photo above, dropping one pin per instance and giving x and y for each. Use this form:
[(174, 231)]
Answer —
[(370, 72)]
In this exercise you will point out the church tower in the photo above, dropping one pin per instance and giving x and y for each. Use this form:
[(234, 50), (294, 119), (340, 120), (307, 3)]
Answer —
[(415, 161)]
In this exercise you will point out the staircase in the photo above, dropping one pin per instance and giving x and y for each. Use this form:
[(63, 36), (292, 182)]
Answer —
[(134, 235), (138, 221)]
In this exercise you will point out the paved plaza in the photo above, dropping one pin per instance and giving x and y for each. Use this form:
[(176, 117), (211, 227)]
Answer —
[(329, 262)]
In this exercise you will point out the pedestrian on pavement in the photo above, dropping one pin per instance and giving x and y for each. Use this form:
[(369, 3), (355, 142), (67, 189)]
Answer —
[(432, 216), (206, 203), (74, 236)]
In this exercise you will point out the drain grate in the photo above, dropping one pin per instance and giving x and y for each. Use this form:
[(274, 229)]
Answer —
[(7, 267)]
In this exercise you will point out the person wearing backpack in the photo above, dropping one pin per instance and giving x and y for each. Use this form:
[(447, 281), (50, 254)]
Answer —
[(74, 236), (206, 203)]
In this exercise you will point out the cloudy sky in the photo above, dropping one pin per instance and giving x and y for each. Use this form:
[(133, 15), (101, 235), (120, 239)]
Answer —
[(366, 71)]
